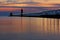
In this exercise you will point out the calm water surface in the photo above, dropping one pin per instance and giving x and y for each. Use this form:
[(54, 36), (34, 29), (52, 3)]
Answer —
[(28, 28)]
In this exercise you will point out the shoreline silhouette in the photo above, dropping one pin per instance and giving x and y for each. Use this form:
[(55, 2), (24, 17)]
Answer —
[(44, 14)]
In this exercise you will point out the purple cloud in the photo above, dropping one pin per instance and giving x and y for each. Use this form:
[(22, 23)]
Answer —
[(56, 5)]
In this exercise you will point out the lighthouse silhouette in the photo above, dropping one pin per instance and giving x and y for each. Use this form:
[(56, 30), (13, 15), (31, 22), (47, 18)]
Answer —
[(21, 12)]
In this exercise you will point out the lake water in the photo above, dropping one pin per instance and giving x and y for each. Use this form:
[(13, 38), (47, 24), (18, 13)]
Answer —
[(29, 28)]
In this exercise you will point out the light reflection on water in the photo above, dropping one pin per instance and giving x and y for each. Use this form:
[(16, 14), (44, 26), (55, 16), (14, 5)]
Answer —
[(28, 28)]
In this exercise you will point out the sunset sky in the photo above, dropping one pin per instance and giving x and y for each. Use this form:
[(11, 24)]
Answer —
[(39, 1), (34, 3)]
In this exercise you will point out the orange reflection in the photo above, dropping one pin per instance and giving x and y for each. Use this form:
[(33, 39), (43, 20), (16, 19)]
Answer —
[(34, 25)]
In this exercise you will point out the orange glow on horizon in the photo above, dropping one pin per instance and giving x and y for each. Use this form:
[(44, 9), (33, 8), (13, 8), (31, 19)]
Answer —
[(34, 5), (9, 9)]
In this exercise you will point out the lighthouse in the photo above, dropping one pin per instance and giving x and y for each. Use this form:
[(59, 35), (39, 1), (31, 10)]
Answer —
[(21, 12)]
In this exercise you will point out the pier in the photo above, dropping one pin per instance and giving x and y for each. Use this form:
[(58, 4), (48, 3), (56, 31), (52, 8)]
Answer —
[(21, 14)]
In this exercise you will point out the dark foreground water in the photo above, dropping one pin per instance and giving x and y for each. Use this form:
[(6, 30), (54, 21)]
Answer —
[(28, 28)]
